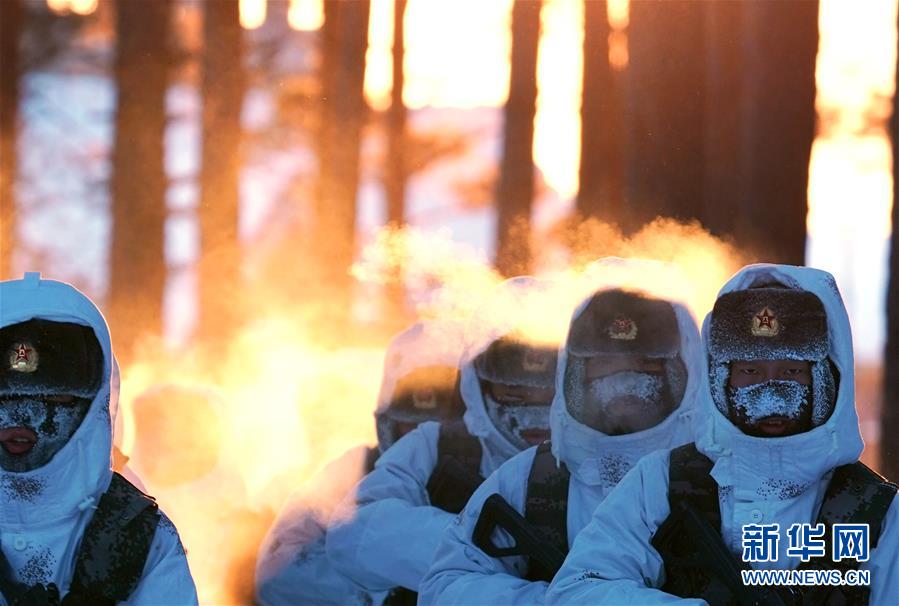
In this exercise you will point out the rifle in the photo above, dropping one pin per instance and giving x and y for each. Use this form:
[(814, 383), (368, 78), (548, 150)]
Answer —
[(497, 513), (710, 554)]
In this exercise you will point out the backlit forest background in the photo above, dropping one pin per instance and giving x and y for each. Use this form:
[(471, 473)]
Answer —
[(258, 193)]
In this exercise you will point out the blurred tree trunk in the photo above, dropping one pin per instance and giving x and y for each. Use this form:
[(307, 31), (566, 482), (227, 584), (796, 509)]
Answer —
[(601, 175), (515, 191), (778, 115), (723, 178), (222, 91), (396, 125), (665, 106), (397, 171), (344, 111), (138, 182), (12, 19), (889, 428)]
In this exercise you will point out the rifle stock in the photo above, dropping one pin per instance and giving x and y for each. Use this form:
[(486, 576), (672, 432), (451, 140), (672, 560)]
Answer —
[(712, 555), (497, 513)]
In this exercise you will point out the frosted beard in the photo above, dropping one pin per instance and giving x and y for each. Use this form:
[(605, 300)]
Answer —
[(515, 421), (52, 423), (787, 399), (626, 402)]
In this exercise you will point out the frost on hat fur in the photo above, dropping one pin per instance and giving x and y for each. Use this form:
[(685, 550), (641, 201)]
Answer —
[(771, 322)]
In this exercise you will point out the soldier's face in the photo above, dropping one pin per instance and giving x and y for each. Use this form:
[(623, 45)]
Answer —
[(744, 373), (770, 398), (520, 412), (603, 366), (626, 393), (34, 428)]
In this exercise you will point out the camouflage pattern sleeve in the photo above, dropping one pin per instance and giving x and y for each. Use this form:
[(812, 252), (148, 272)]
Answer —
[(166, 578)]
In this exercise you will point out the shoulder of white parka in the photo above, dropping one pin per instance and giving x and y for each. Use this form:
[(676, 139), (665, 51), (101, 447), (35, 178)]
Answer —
[(384, 531), (304, 516), (81, 470), (292, 563), (460, 572), (574, 443), (487, 325), (425, 343), (166, 578), (839, 437)]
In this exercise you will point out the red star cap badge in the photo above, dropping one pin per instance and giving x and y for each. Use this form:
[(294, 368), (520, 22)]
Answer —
[(23, 358), (765, 324), (623, 329)]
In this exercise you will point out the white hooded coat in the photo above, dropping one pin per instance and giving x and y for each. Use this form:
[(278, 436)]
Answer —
[(761, 480), (43, 512), (463, 574), (385, 534), (292, 567)]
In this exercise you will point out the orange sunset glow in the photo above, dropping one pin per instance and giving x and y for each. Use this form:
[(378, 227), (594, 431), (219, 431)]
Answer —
[(855, 73), (291, 401)]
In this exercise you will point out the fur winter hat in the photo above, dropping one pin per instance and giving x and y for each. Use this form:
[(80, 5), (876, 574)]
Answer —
[(617, 322), (510, 360), (42, 357), (771, 323), (427, 393)]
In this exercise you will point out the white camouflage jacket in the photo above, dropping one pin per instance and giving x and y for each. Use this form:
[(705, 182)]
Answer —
[(761, 480), (463, 574), (43, 512)]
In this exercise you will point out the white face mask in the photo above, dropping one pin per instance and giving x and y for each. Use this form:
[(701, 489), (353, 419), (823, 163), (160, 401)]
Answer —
[(516, 421), (626, 402), (772, 398)]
